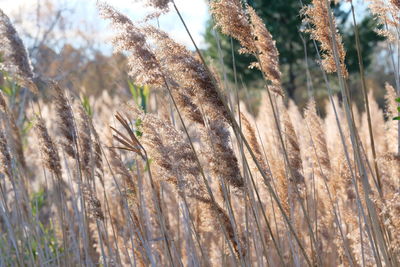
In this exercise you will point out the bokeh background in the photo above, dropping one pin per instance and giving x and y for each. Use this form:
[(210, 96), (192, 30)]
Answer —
[(67, 41)]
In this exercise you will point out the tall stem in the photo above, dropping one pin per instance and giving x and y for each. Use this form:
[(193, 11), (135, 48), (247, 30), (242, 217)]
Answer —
[(364, 88)]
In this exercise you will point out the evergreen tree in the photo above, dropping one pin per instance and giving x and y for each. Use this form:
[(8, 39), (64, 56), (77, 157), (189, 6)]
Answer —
[(284, 21)]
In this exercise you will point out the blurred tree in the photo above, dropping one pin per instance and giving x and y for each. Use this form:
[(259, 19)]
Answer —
[(74, 68), (284, 21)]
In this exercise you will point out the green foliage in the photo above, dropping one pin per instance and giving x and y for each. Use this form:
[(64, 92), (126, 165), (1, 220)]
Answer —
[(140, 94), (9, 87), (29, 248), (37, 202), (86, 106), (28, 125), (148, 163), (138, 124), (398, 109), (47, 238)]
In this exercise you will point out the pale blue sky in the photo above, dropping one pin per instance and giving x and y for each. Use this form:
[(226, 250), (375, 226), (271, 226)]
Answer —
[(85, 15)]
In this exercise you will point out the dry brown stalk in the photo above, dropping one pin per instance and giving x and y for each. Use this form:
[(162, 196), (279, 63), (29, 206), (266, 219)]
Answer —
[(293, 149), (251, 137), (319, 149)]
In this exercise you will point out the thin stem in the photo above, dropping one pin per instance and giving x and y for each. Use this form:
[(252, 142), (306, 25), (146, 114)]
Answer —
[(364, 88)]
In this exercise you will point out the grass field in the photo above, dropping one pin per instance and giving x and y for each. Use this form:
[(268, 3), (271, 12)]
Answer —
[(183, 172)]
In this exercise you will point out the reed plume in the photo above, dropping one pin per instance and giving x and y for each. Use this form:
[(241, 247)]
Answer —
[(177, 164), (195, 81), (162, 5), (169, 151), (319, 148), (293, 150), (49, 152), (387, 13), (230, 17), (317, 15), (15, 55), (142, 63), (391, 125), (251, 137), (86, 150), (267, 52), (254, 37), (5, 157), (13, 130), (66, 123), (189, 73)]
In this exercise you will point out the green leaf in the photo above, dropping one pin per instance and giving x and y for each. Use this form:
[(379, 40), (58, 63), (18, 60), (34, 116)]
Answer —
[(145, 97), (37, 201), (7, 91), (138, 124), (28, 125), (149, 161), (133, 91), (396, 118), (398, 99), (86, 106)]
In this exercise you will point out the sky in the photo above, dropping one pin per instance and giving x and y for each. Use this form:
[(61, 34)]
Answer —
[(84, 12)]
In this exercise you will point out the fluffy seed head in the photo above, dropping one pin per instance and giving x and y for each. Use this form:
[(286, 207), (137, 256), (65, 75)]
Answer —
[(66, 125), (5, 158), (317, 15), (142, 62), (319, 149), (192, 78), (48, 149), (232, 20), (267, 52), (13, 54)]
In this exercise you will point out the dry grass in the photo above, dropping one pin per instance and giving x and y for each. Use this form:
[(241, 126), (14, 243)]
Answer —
[(198, 181)]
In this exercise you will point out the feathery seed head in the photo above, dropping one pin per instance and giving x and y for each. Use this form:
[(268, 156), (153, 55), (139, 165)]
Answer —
[(232, 20), (50, 157), (319, 149), (66, 124), (317, 15), (170, 152), (142, 62), (191, 76), (162, 5), (5, 157), (267, 52), (14, 55)]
